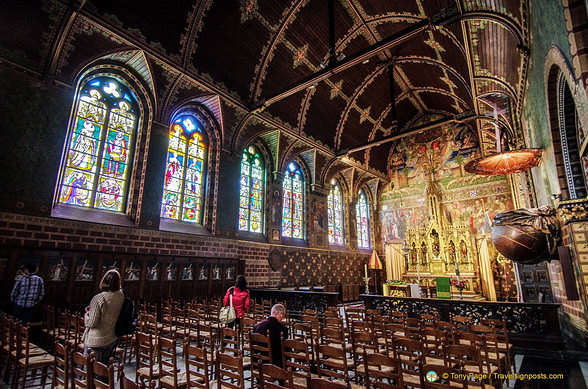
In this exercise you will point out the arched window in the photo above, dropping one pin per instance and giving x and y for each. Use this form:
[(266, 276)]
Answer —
[(100, 146), (570, 146), (363, 221), (292, 209), (335, 207), (183, 188), (251, 192)]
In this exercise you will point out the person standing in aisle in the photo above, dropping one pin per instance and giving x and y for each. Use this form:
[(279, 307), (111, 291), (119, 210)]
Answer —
[(101, 316), (27, 292), (241, 300)]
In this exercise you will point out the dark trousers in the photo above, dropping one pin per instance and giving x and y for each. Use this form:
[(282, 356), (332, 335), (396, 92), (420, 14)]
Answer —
[(101, 354), (235, 324), (25, 314)]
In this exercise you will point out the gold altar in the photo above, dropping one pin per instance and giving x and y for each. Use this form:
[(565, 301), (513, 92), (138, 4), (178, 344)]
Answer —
[(396, 290), (440, 250)]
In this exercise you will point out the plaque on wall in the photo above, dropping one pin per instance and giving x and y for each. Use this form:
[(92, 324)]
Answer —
[(109, 265), (58, 268), (187, 273), (217, 272), (203, 272), (275, 259), (132, 272), (171, 272), (230, 272), (86, 269), (153, 272)]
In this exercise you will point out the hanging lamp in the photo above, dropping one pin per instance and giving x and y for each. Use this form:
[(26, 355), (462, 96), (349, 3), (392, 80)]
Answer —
[(507, 162)]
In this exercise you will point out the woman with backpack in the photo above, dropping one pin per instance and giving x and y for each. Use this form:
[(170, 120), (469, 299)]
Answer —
[(101, 316), (241, 301)]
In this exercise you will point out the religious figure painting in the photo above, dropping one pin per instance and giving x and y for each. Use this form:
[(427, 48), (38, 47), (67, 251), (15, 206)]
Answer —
[(187, 272), (109, 265), (217, 272), (117, 152), (171, 272), (153, 271), (58, 268), (203, 272), (319, 215), (85, 270), (230, 272), (132, 271)]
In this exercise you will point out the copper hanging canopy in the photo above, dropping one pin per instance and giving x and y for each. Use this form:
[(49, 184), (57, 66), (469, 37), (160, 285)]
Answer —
[(508, 162)]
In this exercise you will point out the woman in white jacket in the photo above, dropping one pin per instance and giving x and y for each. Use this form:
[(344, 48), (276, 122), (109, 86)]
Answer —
[(101, 316)]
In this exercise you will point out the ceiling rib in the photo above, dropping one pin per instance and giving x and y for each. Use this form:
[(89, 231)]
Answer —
[(412, 131), (347, 63)]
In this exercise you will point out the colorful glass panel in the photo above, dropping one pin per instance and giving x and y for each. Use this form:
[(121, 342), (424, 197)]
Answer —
[(184, 172), (292, 209), (335, 209), (100, 148), (251, 191), (362, 215)]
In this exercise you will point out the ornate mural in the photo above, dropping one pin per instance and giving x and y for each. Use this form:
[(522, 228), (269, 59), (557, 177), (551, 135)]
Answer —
[(427, 169)]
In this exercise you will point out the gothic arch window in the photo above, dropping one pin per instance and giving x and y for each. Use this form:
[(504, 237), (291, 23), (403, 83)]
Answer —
[(251, 191), (363, 221), (292, 210), (570, 146), (335, 209), (100, 146), (185, 171)]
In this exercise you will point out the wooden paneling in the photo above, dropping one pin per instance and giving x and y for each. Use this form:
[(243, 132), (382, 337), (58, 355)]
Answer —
[(73, 278)]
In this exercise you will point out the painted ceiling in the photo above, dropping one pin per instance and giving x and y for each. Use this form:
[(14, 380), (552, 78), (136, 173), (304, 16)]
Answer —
[(354, 76)]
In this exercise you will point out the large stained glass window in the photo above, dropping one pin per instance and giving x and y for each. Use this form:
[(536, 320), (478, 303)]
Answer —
[(184, 173), (100, 146), (335, 206), (251, 192), (363, 221), (292, 208)]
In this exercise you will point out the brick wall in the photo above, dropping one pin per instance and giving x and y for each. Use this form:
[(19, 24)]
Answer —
[(57, 234)]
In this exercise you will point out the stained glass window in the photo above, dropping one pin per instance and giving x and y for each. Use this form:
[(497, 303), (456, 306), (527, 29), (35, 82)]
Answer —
[(363, 221), (251, 192), (100, 146), (185, 171), (292, 207), (335, 206)]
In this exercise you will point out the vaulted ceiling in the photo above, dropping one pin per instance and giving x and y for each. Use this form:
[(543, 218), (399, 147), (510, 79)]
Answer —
[(324, 67), (350, 75)]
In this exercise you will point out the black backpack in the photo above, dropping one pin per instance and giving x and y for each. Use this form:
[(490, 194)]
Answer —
[(127, 319)]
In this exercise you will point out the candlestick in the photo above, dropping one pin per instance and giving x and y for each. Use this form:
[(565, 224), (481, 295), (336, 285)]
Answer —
[(366, 272)]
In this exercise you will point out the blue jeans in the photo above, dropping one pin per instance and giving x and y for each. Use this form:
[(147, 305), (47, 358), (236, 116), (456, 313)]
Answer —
[(101, 354)]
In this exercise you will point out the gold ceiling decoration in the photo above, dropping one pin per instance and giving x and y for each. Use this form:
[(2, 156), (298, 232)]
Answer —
[(508, 162)]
